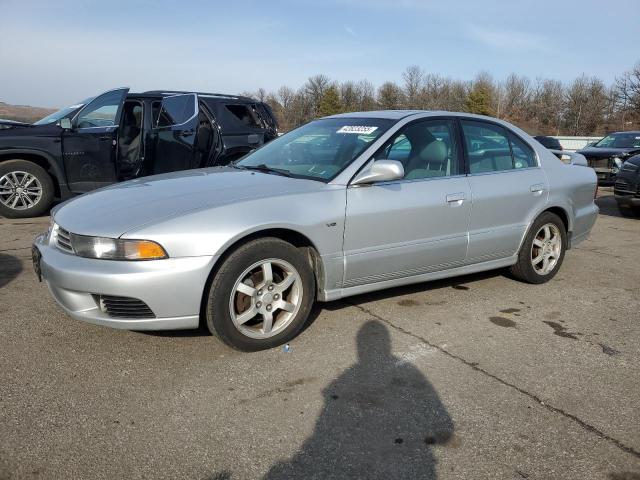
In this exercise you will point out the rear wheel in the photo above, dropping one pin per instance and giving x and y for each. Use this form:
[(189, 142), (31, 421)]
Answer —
[(26, 189), (261, 296), (543, 250)]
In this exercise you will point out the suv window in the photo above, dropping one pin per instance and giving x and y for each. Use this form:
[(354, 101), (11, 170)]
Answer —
[(426, 149), (488, 147), (244, 114), (101, 112), (176, 110)]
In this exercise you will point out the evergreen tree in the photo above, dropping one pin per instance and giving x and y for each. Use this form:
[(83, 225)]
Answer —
[(330, 102)]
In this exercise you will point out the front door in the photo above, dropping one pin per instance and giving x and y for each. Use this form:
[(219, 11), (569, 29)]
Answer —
[(415, 225), (175, 134), (89, 148)]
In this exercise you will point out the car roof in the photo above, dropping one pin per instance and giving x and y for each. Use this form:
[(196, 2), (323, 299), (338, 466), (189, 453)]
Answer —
[(401, 114), (213, 96), (632, 132)]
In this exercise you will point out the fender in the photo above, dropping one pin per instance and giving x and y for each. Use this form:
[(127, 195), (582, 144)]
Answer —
[(51, 161), (547, 207)]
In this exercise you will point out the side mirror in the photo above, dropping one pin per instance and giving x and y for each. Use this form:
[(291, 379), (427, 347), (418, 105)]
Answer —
[(65, 123), (380, 171)]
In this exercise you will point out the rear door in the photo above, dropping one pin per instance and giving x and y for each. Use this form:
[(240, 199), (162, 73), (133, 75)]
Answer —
[(508, 188), (175, 133), (89, 148)]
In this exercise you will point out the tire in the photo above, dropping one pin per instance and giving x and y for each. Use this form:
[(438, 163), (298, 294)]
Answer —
[(629, 210), (552, 249), (15, 202), (243, 269)]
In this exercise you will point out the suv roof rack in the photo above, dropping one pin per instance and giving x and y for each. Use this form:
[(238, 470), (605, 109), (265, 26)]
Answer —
[(203, 94)]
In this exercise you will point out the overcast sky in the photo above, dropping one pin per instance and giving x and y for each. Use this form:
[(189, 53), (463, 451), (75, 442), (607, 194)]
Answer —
[(57, 52)]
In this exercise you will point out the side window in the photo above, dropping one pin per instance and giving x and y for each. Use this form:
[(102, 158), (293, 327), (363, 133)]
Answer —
[(101, 112), (523, 156), (176, 110), (426, 149), (244, 114), (487, 147)]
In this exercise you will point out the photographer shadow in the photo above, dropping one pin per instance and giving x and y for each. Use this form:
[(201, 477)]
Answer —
[(380, 419)]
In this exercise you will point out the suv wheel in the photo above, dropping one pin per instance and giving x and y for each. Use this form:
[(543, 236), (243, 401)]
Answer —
[(543, 250), (261, 296), (26, 189), (629, 210)]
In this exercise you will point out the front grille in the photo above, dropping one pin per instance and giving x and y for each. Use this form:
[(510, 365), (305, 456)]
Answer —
[(124, 307), (63, 239), (600, 162)]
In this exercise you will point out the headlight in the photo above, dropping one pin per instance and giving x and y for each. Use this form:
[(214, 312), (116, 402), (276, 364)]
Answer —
[(116, 248)]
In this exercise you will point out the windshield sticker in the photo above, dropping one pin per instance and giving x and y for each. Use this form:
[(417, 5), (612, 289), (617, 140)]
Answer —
[(357, 129)]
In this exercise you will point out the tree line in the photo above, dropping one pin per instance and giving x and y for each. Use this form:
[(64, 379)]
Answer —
[(584, 106)]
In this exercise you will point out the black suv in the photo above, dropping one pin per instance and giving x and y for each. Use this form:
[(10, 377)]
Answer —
[(118, 136)]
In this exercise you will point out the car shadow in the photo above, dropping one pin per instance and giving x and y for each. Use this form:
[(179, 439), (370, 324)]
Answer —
[(10, 268), (608, 206), (459, 283)]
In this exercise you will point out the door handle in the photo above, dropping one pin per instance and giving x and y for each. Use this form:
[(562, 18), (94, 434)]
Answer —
[(537, 189), (456, 198), (186, 133)]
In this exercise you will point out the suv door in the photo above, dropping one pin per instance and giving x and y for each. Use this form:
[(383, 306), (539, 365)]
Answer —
[(415, 225), (175, 133), (508, 189), (89, 148)]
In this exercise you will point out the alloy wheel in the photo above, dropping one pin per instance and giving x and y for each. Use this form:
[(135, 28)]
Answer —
[(546, 249), (20, 190), (266, 298)]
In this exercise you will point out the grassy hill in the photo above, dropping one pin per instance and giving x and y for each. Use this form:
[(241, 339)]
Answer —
[(23, 113)]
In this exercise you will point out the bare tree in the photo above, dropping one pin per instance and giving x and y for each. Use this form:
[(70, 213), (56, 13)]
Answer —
[(545, 106), (413, 77), (390, 96)]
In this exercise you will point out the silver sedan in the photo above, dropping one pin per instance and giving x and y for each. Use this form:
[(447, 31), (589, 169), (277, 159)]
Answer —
[(341, 206)]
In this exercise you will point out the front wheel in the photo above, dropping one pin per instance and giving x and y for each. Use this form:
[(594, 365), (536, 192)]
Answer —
[(261, 296), (543, 250), (26, 189)]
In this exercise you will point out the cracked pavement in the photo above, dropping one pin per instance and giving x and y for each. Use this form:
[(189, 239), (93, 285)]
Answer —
[(472, 377)]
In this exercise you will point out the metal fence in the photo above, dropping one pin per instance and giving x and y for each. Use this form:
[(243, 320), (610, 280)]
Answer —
[(576, 143)]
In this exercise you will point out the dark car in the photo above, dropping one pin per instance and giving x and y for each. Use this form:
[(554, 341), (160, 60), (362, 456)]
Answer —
[(118, 136), (607, 155), (627, 186), (549, 142)]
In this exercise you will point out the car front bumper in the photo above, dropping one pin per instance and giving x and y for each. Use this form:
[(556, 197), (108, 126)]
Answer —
[(171, 288)]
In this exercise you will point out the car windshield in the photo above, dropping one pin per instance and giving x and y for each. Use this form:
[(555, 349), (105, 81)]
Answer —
[(63, 112), (620, 140), (318, 150)]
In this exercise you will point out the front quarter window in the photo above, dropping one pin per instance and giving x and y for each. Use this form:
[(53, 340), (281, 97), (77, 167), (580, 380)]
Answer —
[(319, 150)]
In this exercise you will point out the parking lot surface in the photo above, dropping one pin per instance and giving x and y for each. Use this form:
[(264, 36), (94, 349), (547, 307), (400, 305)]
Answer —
[(473, 377)]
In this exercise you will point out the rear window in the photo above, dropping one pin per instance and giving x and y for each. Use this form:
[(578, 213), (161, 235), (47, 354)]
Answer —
[(244, 114)]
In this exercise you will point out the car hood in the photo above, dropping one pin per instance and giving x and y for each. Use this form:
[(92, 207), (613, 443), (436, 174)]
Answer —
[(13, 123), (114, 210), (596, 152)]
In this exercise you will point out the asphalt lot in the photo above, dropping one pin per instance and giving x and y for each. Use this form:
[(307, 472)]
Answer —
[(475, 377)]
